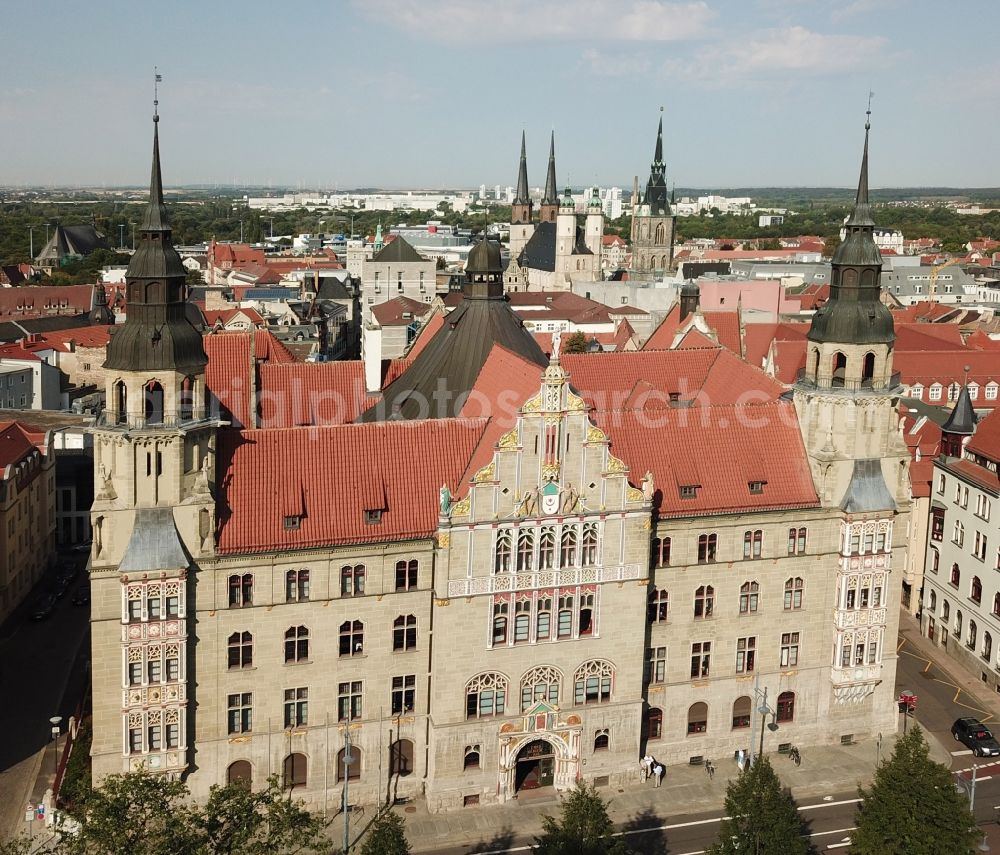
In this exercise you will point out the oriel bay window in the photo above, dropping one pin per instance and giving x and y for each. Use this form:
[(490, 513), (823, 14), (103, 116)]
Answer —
[(528, 549)]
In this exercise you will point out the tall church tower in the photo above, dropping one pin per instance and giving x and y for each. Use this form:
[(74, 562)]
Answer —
[(550, 200), (652, 220), (521, 226), (846, 402), (154, 512)]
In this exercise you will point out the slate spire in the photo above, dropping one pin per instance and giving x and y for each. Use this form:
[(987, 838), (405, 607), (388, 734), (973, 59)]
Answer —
[(522, 197), (656, 187), (962, 419), (155, 219), (861, 215), (551, 196)]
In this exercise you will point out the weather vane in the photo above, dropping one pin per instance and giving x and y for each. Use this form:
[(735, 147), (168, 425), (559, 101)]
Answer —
[(157, 79)]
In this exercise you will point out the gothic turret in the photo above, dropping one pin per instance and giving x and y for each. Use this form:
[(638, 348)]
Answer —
[(521, 209), (959, 426), (656, 186), (157, 334), (854, 313), (550, 200)]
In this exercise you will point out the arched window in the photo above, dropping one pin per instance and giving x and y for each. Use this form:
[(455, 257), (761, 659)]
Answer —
[(525, 551), (697, 718), (240, 650), (547, 549), (485, 695), (958, 622), (601, 740), (704, 601), (352, 770), (945, 610), (352, 580), (404, 633), (658, 610), (153, 393), (240, 772), (186, 410), (973, 630), (352, 638), (586, 625), (294, 771), (567, 550), (501, 563), (401, 758), (593, 682), (659, 235), (956, 575), (540, 684), (297, 644), (793, 593), (839, 369), (543, 621), (297, 585), (470, 760), (588, 551), (932, 606), (749, 594), (987, 646), (753, 542), (522, 620), (815, 364), (976, 590), (741, 712), (564, 625), (654, 723), (501, 609), (996, 605), (785, 710), (868, 368), (121, 402), (661, 552), (406, 575)]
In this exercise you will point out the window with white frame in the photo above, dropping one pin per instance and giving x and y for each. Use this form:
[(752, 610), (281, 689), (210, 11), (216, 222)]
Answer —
[(486, 695), (593, 682), (789, 655)]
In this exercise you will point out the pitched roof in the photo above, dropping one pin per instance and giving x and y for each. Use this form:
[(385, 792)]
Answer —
[(398, 250), (405, 465), (231, 375), (539, 252), (718, 450), (17, 441), (399, 311), (28, 301), (311, 393), (986, 439)]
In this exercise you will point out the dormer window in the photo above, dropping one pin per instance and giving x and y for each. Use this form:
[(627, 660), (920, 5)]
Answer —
[(756, 487), (689, 491), (293, 522), (373, 516)]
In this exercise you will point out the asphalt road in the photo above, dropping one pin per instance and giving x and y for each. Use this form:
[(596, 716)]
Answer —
[(42, 674)]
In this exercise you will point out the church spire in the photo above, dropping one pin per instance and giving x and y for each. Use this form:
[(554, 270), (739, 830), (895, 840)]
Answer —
[(522, 197), (550, 201), (656, 187), (658, 154), (155, 219), (861, 215)]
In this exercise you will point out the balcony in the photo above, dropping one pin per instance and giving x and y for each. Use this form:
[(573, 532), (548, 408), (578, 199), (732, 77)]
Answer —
[(506, 582), (839, 384), (109, 420)]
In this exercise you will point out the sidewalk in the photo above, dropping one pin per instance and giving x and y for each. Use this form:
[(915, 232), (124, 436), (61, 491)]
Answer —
[(825, 770)]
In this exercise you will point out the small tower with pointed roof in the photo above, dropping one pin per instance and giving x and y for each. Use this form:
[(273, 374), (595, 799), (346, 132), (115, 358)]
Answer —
[(550, 199), (522, 210), (959, 426), (153, 514), (594, 226), (652, 219)]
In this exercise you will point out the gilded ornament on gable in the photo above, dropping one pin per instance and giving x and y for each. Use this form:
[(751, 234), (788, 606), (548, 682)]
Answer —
[(461, 509), (595, 434), (444, 539), (533, 404), (615, 465), (550, 471), (509, 440), (485, 474), (633, 494), (574, 402)]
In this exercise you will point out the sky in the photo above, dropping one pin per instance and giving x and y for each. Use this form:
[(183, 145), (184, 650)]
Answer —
[(435, 93)]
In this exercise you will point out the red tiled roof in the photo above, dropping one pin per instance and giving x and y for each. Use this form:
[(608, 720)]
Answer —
[(92, 336), (31, 301), (695, 338), (311, 393), (230, 374), (314, 472), (224, 316), (726, 326), (663, 336), (17, 441), (977, 474), (18, 351), (924, 337), (986, 439), (719, 449), (394, 312)]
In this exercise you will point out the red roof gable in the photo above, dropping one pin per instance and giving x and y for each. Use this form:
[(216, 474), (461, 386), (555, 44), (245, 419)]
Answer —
[(726, 326), (230, 374), (399, 311), (17, 441), (986, 439), (314, 473), (311, 393)]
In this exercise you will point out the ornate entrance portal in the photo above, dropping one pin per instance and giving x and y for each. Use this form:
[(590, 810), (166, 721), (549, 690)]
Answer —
[(541, 750), (535, 766)]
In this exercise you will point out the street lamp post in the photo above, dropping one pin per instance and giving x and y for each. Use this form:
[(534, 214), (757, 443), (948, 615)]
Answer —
[(348, 759), (132, 223), (121, 235), (760, 707), (47, 232)]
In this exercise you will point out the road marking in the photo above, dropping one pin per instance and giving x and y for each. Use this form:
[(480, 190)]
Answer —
[(838, 845), (960, 753), (984, 715)]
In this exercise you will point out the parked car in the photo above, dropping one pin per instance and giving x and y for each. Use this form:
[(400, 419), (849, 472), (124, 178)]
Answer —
[(43, 608), (972, 733)]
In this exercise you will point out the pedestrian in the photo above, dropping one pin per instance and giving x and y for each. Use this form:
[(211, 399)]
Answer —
[(645, 767), (658, 774), (710, 768)]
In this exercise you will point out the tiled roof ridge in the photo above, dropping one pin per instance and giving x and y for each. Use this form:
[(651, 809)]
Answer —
[(470, 421)]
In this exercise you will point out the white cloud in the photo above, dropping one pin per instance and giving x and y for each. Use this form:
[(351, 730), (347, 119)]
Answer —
[(553, 20), (861, 7), (621, 64), (775, 52)]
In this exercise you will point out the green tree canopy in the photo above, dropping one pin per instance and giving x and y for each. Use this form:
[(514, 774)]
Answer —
[(913, 808), (583, 828), (763, 817), (575, 343), (386, 836)]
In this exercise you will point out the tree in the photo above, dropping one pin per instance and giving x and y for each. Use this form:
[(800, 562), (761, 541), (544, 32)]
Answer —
[(386, 836), (913, 806), (583, 828), (76, 786), (830, 246), (763, 817), (575, 343)]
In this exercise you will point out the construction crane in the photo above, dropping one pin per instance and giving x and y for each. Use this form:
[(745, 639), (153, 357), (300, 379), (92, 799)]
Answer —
[(932, 287)]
